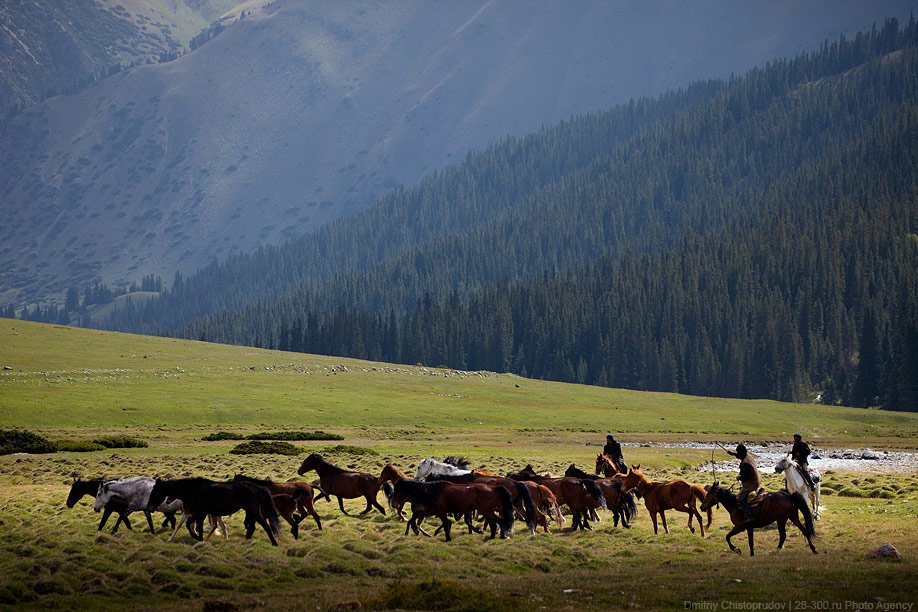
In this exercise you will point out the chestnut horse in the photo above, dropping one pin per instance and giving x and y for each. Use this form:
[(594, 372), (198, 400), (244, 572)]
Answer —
[(606, 467), (289, 497), (441, 498), (662, 496), (767, 508), (342, 483)]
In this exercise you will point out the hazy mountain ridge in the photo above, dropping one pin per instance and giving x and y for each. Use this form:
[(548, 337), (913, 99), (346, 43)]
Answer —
[(302, 111)]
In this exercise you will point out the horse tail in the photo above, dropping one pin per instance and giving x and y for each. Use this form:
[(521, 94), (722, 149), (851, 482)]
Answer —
[(388, 490), (596, 493), (698, 492), (626, 502), (528, 505), (809, 528), (506, 508), (267, 508)]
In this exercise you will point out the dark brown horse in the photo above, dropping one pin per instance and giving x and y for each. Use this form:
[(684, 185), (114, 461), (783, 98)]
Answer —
[(766, 509), (442, 499), (289, 497), (619, 502), (662, 496), (342, 483)]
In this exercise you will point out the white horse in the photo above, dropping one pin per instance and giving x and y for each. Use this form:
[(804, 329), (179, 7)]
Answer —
[(135, 493), (431, 467), (796, 483)]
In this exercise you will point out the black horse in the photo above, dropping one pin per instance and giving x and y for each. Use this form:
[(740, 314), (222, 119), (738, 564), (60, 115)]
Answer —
[(202, 497), (621, 504), (81, 488)]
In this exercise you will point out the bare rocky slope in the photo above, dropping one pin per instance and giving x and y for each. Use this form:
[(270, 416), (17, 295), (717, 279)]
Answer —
[(303, 111)]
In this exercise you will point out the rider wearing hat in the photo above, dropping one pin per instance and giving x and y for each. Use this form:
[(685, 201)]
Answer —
[(749, 478), (613, 450), (801, 453)]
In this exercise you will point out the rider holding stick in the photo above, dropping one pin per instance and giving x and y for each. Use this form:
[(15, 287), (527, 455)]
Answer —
[(749, 478)]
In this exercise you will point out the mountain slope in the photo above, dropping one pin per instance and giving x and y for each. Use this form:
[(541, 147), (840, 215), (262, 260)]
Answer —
[(760, 240), (302, 112)]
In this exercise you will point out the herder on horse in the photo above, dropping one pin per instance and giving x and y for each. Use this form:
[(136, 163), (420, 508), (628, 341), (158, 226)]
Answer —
[(749, 477), (800, 453), (613, 450)]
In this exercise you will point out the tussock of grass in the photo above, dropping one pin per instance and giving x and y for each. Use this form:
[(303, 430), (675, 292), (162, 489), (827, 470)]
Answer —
[(257, 447), (446, 595)]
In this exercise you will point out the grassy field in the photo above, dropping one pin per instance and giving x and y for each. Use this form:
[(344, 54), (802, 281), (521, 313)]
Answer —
[(74, 384)]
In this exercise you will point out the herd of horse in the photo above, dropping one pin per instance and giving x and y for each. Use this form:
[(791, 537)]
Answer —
[(446, 490)]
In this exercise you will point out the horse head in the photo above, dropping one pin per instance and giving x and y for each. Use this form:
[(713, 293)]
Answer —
[(76, 493), (309, 463), (102, 497), (425, 467), (158, 494), (783, 464), (634, 478), (710, 497)]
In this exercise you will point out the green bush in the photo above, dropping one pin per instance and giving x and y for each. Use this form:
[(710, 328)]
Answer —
[(347, 449), (294, 435), (120, 442), (22, 441), (222, 435), (78, 446), (257, 447)]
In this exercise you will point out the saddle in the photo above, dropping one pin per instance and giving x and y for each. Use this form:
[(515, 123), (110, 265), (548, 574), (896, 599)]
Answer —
[(815, 477), (756, 497)]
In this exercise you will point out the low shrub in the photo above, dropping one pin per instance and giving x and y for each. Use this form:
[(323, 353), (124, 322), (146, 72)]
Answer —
[(120, 442), (222, 435), (78, 446), (294, 435), (258, 447), (22, 441), (347, 449)]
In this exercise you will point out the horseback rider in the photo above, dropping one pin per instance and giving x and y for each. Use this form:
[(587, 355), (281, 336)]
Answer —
[(749, 478), (613, 450), (801, 453)]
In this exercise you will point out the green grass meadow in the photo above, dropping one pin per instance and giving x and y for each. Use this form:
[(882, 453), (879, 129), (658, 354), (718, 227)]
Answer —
[(72, 384)]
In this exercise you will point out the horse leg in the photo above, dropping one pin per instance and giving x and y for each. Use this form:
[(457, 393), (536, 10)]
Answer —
[(585, 523), (663, 519), (782, 533), (815, 501), (446, 526), (653, 518), (249, 526), (178, 526), (122, 516), (264, 525), (149, 516), (736, 529), (749, 532), (307, 507), (369, 506), (378, 507), (341, 504)]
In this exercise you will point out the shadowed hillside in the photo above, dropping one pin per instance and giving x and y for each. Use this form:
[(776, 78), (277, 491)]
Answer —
[(301, 112)]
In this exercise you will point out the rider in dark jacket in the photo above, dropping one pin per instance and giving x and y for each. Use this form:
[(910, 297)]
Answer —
[(749, 478), (801, 453), (613, 450)]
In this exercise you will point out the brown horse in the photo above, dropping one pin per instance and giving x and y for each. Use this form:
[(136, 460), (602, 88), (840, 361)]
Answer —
[(441, 499), (391, 473), (289, 497), (518, 491), (342, 483), (545, 502), (606, 467), (766, 509), (662, 496)]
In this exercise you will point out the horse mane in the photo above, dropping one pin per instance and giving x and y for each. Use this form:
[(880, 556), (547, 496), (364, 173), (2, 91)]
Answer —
[(259, 481), (326, 464), (457, 461), (470, 477), (576, 472), (725, 497)]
